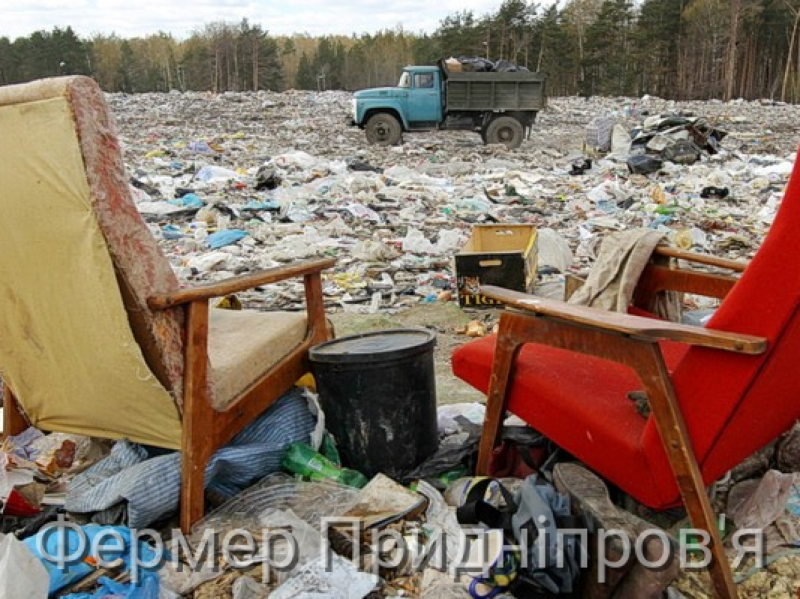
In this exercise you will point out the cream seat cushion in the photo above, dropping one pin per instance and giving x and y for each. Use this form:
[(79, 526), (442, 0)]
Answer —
[(244, 344)]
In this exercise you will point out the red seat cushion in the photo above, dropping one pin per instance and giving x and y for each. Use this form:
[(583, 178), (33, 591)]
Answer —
[(582, 403)]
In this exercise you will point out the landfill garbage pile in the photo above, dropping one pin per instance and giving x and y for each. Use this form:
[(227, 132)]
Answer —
[(282, 179), (318, 527), (235, 182), (680, 139)]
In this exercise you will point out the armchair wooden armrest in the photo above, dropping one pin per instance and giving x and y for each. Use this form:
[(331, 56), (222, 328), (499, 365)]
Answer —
[(671, 252), (240, 283), (628, 324), (660, 276)]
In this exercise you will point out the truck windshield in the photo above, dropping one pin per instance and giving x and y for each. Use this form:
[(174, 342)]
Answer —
[(405, 80)]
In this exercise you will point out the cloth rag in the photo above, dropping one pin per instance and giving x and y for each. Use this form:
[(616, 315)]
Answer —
[(133, 487), (611, 282)]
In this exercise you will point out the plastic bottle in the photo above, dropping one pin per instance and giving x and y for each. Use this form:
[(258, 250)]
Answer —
[(302, 459)]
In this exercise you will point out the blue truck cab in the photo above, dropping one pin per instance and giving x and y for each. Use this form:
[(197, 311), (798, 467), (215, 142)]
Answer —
[(416, 103), (499, 106)]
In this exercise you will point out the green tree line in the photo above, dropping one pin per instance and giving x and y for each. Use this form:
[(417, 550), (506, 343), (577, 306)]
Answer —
[(677, 49)]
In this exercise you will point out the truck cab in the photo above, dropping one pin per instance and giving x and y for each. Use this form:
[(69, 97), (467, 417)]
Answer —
[(415, 104)]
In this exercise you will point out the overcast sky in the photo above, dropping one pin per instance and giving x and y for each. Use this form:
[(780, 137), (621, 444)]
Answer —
[(132, 18)]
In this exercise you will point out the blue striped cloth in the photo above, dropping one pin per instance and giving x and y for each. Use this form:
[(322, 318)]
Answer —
[(133, 488)]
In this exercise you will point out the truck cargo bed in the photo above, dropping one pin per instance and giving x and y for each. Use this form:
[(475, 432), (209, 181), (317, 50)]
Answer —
[(494, 91)]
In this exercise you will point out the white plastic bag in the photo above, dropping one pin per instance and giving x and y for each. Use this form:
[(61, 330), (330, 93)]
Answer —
[(338, 579), (21, 573)]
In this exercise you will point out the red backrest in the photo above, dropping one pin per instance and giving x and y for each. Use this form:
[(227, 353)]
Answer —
[(735, 404)]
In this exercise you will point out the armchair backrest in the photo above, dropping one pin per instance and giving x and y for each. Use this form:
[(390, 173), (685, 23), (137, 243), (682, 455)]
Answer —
[(74, 254), (736, 404)]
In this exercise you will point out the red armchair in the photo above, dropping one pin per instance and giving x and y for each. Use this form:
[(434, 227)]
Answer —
[(717, 394)]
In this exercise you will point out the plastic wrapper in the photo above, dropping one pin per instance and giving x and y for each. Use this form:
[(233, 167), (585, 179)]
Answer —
[(247, 588), (309, 501), (341, 580), (21, 573)]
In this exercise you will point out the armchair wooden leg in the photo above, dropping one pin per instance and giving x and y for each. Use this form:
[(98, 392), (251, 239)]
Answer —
[(193, 469), (197, 439), (645, 358), (506, 351), (675, 438), (14, 422)]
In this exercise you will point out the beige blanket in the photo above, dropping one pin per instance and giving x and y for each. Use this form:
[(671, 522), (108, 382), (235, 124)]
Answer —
[(613, 278)]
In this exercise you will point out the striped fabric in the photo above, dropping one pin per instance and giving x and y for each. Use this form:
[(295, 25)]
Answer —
[(133, 487)]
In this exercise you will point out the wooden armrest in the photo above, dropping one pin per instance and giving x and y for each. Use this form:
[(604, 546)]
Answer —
[(240, 283), (627, 324), (671, 252)]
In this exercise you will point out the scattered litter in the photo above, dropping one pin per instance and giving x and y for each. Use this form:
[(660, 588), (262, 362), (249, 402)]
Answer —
[(764, 504), (338, 579), (224, 203), (406, 210)]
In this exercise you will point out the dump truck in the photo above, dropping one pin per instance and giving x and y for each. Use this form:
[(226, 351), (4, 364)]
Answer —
[(502, 107)]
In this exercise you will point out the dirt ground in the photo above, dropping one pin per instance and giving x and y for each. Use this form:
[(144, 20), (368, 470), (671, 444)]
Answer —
[(445, 319)]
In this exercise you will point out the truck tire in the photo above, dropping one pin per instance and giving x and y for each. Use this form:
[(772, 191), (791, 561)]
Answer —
[(384, 130), (505, 130)]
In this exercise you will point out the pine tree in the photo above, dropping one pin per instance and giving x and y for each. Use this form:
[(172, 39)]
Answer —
[(305, 74)]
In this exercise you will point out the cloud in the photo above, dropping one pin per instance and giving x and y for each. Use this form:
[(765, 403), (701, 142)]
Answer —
[(316, 17)]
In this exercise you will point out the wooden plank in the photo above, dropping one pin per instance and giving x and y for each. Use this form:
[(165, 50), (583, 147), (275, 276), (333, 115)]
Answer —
[(671, 252), (627, 324), (663, 278), (315, 308), (237, 284), (197, 435)]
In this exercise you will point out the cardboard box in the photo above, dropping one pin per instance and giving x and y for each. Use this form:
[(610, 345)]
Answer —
[(502, 255)]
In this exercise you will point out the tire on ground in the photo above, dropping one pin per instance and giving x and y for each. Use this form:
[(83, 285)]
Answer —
[(505, 130), (384, 129)]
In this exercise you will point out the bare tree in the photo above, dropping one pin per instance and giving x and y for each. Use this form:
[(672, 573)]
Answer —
[(795, 10), (733, 42)]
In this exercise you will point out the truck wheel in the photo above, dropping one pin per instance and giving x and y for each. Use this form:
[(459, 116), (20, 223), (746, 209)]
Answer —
[(383, 129), (505, 130)]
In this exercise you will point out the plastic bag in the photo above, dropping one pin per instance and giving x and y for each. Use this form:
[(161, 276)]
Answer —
[(308, 541), (21, 574), (115, 542), (226, 237), (338, 578), (309, 501), (247, 588), (644, 164)]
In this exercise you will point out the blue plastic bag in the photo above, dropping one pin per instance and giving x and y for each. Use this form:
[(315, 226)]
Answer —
[(226, 237), (75, 543)]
